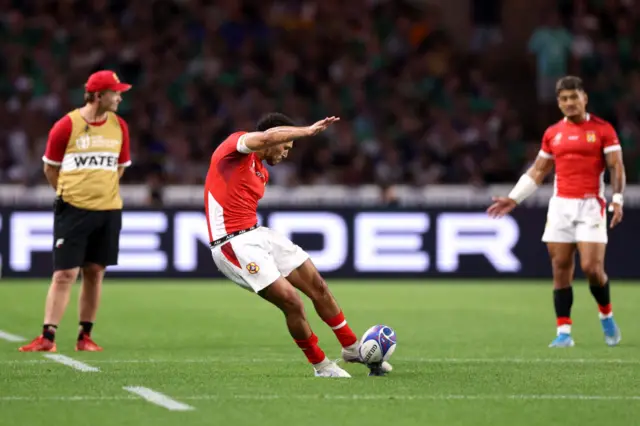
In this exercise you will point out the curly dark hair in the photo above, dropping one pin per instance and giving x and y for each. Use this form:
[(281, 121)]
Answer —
[(274, 119)]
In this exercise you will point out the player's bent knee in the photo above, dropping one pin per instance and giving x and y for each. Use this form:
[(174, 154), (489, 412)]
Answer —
[(320, 288), (285, 297)]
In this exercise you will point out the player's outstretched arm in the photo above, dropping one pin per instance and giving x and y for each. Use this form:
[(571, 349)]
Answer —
[(256, 141), (526, 186)]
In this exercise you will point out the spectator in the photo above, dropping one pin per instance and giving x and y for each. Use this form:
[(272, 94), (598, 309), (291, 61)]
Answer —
[(415, 108), (551, 44)]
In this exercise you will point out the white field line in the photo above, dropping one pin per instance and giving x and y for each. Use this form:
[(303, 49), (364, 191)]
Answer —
[(11, 337), (398, 359), (70, 362), (158, 398), (161, 399)]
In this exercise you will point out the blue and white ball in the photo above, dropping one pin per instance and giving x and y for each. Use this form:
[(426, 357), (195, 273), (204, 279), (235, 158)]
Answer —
[(377, 344)]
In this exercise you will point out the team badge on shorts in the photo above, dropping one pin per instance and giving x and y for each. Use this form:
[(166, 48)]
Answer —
[(591, 137), (253, 268)]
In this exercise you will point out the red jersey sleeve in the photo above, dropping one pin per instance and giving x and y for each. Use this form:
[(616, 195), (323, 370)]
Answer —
[(610, 142), (545, 150), (57, 141), (125, 150), (231, 145)]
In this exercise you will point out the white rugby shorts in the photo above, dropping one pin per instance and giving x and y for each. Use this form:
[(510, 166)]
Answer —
[(572, 220), (254, 260)]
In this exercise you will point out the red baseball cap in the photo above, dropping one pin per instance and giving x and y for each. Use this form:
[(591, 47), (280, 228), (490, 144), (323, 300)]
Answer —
[(105, 80)]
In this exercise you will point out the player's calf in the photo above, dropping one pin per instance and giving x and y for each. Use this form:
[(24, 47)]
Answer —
[(55, 305), (593, 268), (58, 295), (307, 279), (562, 262), (282, 294), (562, 302)]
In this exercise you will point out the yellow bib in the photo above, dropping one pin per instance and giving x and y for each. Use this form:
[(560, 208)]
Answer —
[(89, 171)]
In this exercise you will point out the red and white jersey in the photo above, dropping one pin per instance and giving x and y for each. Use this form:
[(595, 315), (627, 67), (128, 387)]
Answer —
[(578, 151), (235, 183)]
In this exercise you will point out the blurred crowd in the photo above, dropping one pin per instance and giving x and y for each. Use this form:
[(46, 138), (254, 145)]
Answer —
[(598, 40), (415, 108)]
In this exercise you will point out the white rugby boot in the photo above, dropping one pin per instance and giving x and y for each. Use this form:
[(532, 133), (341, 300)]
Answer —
[(352, 354), (329, 369)]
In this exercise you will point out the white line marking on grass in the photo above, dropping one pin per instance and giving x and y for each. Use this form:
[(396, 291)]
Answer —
[(165, 401), (70, 362), (68, 398), (399, 359), (11, 337), (430, 397), (521, 360), (158, 399)]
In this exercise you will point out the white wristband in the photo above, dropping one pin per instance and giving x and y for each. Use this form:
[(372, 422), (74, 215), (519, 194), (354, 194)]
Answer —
[(241, 146), (617, 199), (525, 187)]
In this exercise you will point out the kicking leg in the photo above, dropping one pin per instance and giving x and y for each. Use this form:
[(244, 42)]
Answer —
[(592, 262), (308, 280), (563, 264), (283, 295)]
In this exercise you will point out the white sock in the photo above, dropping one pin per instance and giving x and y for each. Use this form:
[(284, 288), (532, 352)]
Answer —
[(564, 329), (352, 348), (603, 316), (322, 364)]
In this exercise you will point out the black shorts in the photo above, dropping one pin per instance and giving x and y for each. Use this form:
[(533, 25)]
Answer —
[(84, 236)]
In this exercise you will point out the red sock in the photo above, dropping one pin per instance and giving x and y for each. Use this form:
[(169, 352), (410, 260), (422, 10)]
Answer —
[(605, 310), (311, 349), (343, 332), (564, 325)]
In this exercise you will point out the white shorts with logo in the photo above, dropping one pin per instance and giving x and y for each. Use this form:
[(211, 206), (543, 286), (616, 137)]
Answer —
[(572, 220), (256, 259)]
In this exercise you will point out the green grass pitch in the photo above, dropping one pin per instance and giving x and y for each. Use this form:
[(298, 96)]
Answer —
[(469, 353)]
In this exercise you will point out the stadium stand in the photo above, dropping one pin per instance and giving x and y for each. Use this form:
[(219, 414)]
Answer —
[(417, 107)]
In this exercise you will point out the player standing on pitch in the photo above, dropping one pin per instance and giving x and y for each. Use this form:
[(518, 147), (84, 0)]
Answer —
[(258, 258), (86, 154), (581, 146)]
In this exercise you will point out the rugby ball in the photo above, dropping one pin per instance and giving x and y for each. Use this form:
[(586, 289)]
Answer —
[(377, 344)]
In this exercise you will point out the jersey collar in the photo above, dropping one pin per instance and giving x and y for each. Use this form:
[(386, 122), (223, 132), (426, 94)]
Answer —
[(587, 118)]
